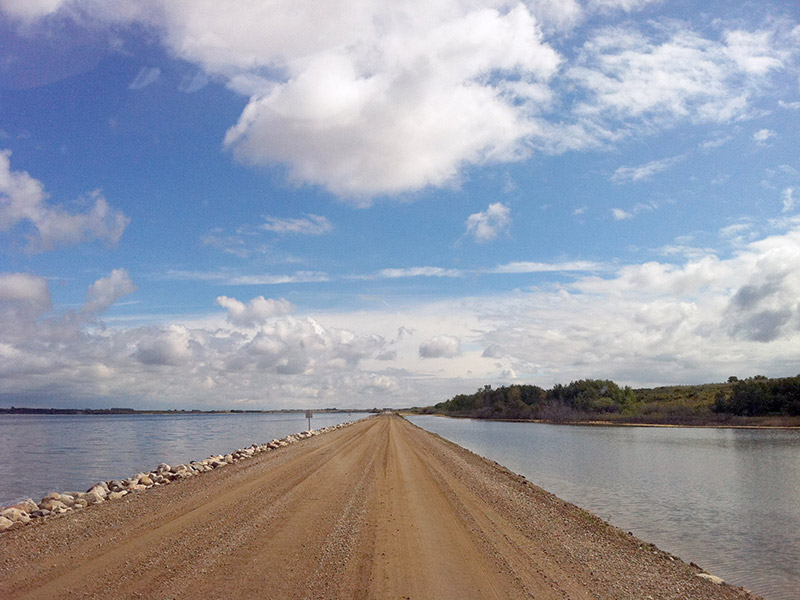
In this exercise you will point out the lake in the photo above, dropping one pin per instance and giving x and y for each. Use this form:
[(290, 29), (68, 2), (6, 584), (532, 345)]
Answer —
[(726, 499), (46, 453)]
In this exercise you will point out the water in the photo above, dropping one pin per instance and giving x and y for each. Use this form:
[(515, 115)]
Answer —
[(728, 500), (46, 453)]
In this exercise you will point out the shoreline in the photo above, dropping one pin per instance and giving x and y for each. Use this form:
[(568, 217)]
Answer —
[(601, 423), (380, 508), (53, 504)]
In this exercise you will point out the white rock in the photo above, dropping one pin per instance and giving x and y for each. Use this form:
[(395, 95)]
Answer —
[(15, 515), (5, 523), (711, 578)]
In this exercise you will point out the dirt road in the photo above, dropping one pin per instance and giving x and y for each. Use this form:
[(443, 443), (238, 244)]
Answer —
[(380, 509)]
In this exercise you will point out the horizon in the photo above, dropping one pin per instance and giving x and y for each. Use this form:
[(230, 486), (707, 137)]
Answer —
[(261, 207)]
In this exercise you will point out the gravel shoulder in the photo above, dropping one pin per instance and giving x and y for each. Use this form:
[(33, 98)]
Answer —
[(379, 509)]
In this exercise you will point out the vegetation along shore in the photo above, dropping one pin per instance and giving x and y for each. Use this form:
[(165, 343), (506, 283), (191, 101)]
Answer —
[(752, 402)]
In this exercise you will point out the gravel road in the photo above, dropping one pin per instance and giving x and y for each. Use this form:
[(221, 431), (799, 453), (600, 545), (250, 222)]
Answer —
[(379, 509)]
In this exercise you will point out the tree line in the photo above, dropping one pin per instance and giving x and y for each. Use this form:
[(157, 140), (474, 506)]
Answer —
[(603, 399), (760, 395)]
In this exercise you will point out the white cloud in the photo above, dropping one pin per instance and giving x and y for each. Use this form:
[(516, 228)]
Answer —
[(145, 77), (419, 272), (440, 346), (380, 98), (29, 10), (787, 197), (539, 267), (266, 279), (22, 290), (556, 15), (23, 199), (699, 319), (404, 104), (163, 347), (107, 290), (256, 311), (789, 105), (672, 75), (311, 225), (763, 135), (620, 214), (645, 171), (624, 5), (487, 225)]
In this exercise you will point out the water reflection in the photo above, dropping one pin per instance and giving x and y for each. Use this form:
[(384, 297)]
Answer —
[(45, 453), (728, 500)]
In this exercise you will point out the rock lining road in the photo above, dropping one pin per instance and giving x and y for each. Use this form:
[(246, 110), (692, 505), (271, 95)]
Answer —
[(379, 509)]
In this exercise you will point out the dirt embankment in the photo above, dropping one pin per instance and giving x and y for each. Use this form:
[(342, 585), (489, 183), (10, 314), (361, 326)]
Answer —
[(380, 509)]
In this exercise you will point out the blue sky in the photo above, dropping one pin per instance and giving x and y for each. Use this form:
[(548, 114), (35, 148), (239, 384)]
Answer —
[(260, 205)]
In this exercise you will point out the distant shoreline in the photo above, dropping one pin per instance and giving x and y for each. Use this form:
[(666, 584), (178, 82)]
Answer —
[(131, 411), (789, 422)]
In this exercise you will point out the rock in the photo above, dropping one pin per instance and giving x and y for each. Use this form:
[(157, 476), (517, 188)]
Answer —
[(93, 497), (52, 496), (37, 514), (117, 495), (27, 505), (115, 485), (145, 480), (100, 490), (136, 487), (52, 505), (68, 500), (80, 502), (15, 515), (711, 578), (5, 523)]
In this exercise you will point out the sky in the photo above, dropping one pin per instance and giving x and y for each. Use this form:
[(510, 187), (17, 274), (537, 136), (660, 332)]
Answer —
[(249, 205)]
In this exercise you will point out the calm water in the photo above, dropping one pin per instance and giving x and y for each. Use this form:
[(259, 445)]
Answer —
[(46, 453), (728, 500)]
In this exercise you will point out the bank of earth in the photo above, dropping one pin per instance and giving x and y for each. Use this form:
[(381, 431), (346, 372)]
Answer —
[(378, 509)]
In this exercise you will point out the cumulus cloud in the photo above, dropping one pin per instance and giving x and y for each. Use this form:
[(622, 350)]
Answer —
[(487, 225), (23, 200), (620, 214), (163, 347), (699, 318), (440, 346), (22, 291), (256, 311), (310, 225), (381, 98), (405, 105), (107, 290)]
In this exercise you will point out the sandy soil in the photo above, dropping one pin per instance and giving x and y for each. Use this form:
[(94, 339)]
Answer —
[(380, 509)]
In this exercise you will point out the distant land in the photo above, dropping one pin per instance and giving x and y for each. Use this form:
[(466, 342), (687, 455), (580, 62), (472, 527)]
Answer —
[(14, 410), (754, 401)]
